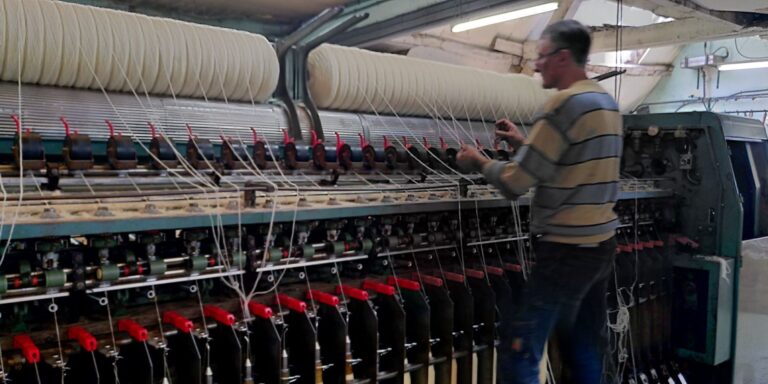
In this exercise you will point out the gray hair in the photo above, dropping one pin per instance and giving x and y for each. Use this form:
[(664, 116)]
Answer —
[(570, 35)]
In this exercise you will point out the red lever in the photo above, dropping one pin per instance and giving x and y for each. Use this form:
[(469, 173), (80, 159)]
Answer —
[(513, 267), (111, 128), (428, 280), (260, 310), (495, 271), (189, 131), (405, 143), (426, 143), (66, 125), (133, 328), (313, 137), (454, 277), (443, 145), (28, 348), (325, 298), (83, 337), (339, 143), (221, 316), (152, 129), (683, 240), (474, 273), (255, 136), (386, 143), (357, 294), (291, 303), (286, 139), (363, 142), (18, 123), (479, 146), (379, 288), (181, 323), (403, 283)]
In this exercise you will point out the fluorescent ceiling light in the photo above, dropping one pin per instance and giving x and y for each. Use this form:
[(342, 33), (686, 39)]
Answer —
[(744, 65), (502, 17)]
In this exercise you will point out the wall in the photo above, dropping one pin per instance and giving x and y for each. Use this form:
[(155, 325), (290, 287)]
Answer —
[(742, 90)]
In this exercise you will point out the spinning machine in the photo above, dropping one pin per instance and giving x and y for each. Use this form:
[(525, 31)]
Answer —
[(165, 219)]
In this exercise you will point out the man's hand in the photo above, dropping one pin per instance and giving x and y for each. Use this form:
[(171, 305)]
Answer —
[(470, 159), (508, 131)]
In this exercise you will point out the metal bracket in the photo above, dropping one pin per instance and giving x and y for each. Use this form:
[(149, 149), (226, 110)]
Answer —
[(283, 47), (301, 55)]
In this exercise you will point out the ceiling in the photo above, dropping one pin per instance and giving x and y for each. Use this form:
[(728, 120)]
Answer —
[(736, 5)]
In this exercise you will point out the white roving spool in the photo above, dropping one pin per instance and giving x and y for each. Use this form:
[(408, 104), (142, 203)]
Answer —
[(353, 79), (64, 44)]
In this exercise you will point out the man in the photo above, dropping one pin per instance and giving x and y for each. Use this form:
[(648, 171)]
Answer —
[(572, 156)]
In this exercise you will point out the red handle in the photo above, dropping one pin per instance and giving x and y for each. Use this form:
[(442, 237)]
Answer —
[(339, 143), (291, 303), (379, 288), (221, 316), (134, 329), (357, 294), (313, 136), (83, 337), (255, 136), (66, 125), (260, 310), (189, 130), (111, 127), (474, 273), (405, 143), (403, 283), (494, 271), (513, 267), (428, 280), (454, 277), (152, 129), (181, 323), (322, 297), (426, 143), (443, 145), (286, 139), (386, 143), (28, 348), (477, 142), (18, 123), (363, 142), (683, 240)]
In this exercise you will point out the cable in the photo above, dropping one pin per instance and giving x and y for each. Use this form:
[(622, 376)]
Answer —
[(738, 50)]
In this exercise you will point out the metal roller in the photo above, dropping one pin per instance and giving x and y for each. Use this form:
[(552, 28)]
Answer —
[(157, 267), (55, 278), (109, 272), (198, 263)]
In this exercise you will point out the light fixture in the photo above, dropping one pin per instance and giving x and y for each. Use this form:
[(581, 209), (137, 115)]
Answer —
[(743, 65), (506, 16)]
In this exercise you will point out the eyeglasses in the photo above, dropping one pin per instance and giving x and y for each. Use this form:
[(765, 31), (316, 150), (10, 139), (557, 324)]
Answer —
[(552, 53)]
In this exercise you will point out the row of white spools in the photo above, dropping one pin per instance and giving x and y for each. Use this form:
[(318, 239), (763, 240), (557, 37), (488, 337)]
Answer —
[(70, 45), (56, 43)]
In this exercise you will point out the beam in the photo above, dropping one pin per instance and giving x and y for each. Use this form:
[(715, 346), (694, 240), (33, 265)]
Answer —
[(399, 17), (668, 34), (633, 69), (682, 9), (455, 47), (524, 49)]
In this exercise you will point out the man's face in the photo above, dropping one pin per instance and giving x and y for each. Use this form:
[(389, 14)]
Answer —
[(548, 63)]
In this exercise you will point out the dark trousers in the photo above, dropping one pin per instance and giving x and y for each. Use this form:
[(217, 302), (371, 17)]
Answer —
[(566, 293)]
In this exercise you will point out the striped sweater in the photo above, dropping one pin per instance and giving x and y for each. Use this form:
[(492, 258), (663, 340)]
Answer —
[(572, 156)]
